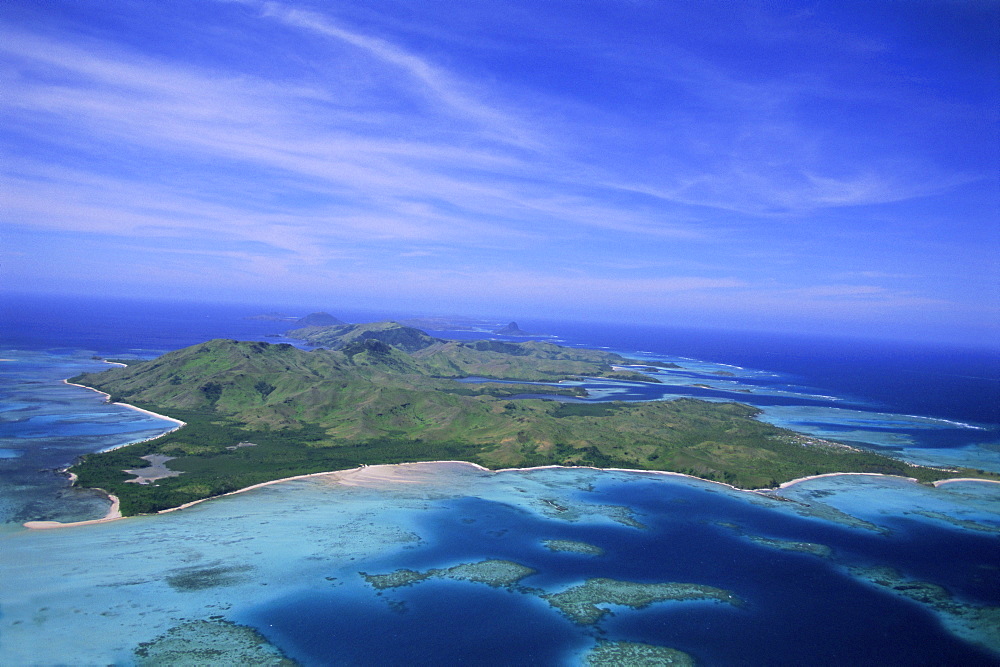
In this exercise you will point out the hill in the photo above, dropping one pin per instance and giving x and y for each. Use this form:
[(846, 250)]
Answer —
[(387, 393)]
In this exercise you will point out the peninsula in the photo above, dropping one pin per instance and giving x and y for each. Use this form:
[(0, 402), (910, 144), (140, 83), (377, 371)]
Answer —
[(388, 393)]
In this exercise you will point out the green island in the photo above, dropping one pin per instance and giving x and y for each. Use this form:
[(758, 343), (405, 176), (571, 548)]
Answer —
[(386, 393)]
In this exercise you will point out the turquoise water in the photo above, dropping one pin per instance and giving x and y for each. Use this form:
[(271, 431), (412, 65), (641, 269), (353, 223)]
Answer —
[(287, 560), (848, 569)]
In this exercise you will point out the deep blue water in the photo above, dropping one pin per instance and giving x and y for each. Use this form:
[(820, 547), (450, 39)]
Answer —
[(959, 383)]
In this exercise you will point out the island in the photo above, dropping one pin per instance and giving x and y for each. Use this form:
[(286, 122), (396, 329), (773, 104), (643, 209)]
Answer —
[(318, 320), (378, 393), (511, 330)]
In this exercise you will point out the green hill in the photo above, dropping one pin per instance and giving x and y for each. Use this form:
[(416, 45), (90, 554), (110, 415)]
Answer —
[(385, 393)]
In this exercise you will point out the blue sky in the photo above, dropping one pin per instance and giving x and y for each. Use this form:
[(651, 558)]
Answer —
[(814, 166)]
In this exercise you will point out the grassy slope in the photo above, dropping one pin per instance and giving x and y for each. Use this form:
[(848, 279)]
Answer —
[(370, 402)]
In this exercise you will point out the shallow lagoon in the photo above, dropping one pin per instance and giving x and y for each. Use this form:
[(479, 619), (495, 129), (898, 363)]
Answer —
[(287, 559)]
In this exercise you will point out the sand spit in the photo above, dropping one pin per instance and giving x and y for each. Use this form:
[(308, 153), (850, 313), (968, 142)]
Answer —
[(964, 479)]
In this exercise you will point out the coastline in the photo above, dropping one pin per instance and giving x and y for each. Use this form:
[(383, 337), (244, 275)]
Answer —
[(150, 413), (114, 514)]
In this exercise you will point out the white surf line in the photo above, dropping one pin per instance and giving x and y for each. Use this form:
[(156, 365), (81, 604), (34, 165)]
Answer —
[(132, 407)]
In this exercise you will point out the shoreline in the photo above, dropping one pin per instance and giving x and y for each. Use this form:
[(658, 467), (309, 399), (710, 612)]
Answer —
[(785, 485), (131, 407), (114, 514), (964, 479)]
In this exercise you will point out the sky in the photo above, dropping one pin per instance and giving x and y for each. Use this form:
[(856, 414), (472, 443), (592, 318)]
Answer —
[(809, 166)]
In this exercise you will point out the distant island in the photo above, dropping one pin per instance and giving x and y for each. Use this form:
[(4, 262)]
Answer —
[(387, 393), (511, 330), (319, 320)]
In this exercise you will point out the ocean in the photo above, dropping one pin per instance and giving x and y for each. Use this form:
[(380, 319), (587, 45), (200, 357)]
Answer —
[(413, 564)]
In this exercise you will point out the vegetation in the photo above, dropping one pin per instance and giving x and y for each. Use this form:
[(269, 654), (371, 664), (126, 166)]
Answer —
[(388, 394)]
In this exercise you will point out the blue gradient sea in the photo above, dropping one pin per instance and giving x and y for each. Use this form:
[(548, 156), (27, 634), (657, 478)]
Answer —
[(835, 570)]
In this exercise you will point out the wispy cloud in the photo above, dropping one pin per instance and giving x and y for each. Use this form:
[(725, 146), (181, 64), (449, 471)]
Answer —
[(272, 129), (434, 83)]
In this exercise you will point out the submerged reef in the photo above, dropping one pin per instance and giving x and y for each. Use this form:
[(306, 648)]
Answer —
[(214, 642), (492, 572), (214, 575), (977, 624), (627, 654), (797, 546), (617, 513), (967, 524), (820, 550), (579, 603), (573, 546)]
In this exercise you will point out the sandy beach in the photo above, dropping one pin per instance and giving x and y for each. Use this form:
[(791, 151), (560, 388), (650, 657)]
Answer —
[(403, 473), (965, 479), (129, 406), (114, 513), (785, 485), (374, 476)]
